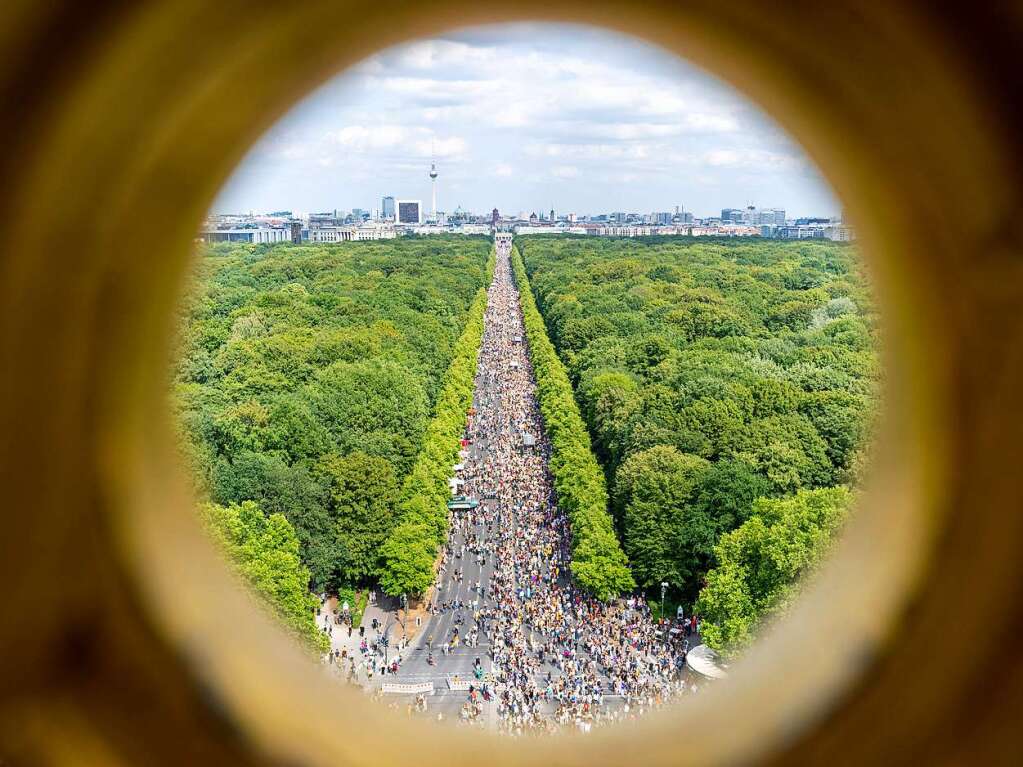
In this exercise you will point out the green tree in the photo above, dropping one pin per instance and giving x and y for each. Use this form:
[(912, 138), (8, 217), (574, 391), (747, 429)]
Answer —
[(264, 551), (363, 503), (408, 557), (654, 491), (407, 568), (760, 564), (290, 355)]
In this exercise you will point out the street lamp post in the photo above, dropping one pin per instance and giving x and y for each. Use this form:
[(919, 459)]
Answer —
[(404, 615), (664, 589)]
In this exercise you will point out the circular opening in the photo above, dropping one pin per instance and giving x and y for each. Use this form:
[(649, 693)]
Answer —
[(841, 662)]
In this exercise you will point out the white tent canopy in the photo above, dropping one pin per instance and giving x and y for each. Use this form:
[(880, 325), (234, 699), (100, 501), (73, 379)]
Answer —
[(705, 662)]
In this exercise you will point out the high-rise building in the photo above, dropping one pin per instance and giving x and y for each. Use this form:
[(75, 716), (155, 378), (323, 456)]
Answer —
[(409, 211), (663, 218), (387, 208), (731, 215), (494, 217)]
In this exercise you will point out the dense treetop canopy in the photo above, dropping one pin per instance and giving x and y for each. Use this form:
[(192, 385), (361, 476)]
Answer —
[(710, 373), (726, 386), (264, 551), (308, 376)]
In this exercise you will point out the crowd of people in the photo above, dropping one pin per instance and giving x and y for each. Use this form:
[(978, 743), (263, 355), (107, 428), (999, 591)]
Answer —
[(366, 654), (559, 657), (556, 657)]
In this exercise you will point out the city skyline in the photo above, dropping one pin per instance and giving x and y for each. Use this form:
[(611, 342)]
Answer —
[(526, 118)]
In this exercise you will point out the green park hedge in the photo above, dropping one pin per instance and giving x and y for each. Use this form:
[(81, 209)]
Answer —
[(408, 554), (599, 565)]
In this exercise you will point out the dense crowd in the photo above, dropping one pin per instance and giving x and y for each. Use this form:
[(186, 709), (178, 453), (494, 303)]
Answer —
[(559, 657)]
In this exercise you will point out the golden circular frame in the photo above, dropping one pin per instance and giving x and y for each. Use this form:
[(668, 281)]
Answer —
[(120, 639)]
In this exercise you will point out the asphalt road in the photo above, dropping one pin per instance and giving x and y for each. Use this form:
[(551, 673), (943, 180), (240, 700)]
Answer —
[(503, 478), (496, 355)]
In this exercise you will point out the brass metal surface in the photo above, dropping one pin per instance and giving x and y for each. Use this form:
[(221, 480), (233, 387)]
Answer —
[(120, 631)]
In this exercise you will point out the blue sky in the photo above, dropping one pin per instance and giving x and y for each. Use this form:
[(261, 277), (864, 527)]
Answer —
[(526, 118)]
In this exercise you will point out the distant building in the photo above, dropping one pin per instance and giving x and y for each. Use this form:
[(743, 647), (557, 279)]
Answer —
[(387, 208), (409, 211), (731, 215), (800, 232), (295, 228), (352, 233), (324, 220), (331, 234), (429, 228), (254, 235), (663, 218), (839, 233), (474, 229), (771, 217), (494, 217)]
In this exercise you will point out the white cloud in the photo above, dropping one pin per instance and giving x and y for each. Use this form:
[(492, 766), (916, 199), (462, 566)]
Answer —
[(415, 140), (543, 105), (363, 137), (511, 115), (716, 123), (452, 146), (444, 54), (593, 152), (722, 157), (295, 152), (752, 159)]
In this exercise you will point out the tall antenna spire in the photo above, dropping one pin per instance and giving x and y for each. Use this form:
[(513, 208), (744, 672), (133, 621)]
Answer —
[(433, 178)]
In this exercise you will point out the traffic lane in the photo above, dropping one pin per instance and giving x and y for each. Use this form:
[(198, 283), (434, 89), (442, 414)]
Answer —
[(439, 626)]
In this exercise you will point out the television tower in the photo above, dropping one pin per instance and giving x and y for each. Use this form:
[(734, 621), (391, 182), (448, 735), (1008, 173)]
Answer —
[(433, 184)]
